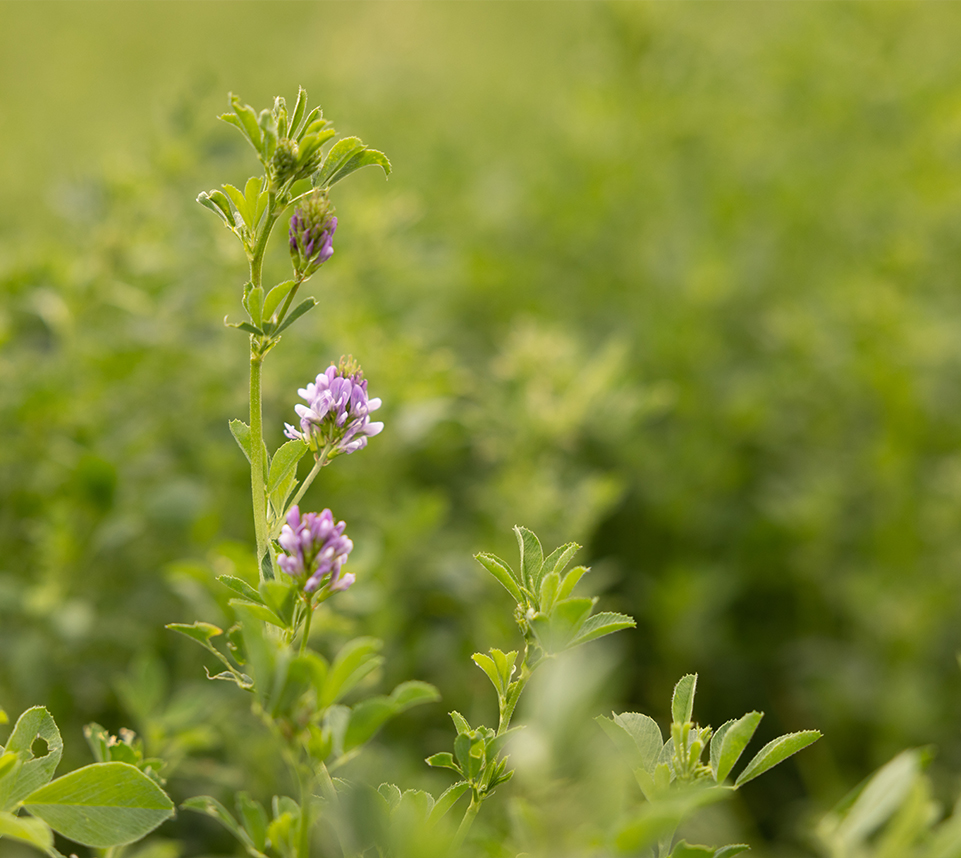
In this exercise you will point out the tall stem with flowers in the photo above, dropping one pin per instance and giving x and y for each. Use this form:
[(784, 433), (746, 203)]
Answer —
[(297, 692)]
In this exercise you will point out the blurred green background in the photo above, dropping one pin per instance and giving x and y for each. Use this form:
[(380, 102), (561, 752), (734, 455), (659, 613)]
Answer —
[(677, 281)]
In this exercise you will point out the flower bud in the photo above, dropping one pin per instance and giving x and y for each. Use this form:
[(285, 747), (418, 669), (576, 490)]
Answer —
[(315, 548), (283, 164), (312, 234)]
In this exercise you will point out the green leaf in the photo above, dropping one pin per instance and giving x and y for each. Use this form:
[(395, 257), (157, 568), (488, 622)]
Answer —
[(337, 157), (556, 631), (243, 326), (682, 703), (213, 808), (558, 559), (218, 204), (314, 137), (604, 623), (356, 659), (252, 197), (731, 850), (646, 735), (255, 820), (295, 314), (314, 121), (496, 743), (300, 108), (259, 610), (366, 718), (685, 850), (413, 693), (486, 663), (255, 304), (570, 580), (275, 296), (367, 158), (8, 762), (240, 203), (34, 832), (550, 586), (460, 723), (33, 771), (660, 818), (281, 597), (447, 800), (284, 462), (241, 587), (717, 741), (391, 794), (199, 631), (639, 740), (101, 805), (532, 558), (735, 741), (869, 806), (443, 760), (502, 572), (241, 433), (247, 122), (775, 752), (505, 665)]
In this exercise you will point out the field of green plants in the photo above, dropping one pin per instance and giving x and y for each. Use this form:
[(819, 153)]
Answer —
[(680, 283)]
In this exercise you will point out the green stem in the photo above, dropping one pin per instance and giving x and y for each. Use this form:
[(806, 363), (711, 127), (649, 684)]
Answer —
[(257, 464), (510, 702), (256, 408), (310, 614), (466, 823), (303, 850), (321, 461), (260, 248)]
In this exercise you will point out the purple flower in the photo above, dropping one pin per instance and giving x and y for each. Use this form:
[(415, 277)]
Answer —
[(311, 234), (337, 414), (315, 549)]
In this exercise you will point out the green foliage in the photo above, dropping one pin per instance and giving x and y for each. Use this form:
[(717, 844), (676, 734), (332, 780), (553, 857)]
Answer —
[(113, 802), (671, 775), (704, 325)]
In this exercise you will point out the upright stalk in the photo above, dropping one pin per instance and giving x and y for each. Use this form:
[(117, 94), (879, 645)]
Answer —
[(257, 464), (465, 824)]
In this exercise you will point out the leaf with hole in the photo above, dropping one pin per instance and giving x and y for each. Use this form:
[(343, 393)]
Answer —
[(34, 771)]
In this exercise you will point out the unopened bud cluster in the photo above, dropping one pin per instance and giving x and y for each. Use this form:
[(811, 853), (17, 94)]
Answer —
[(315, 550), (311, 235)]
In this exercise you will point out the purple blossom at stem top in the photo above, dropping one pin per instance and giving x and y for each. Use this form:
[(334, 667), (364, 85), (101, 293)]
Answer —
[(337, 415), (316, 548), (311, 234)]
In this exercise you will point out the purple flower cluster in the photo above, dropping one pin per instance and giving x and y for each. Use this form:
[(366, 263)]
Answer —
[(315, 549), (337, 414), (312, 234)]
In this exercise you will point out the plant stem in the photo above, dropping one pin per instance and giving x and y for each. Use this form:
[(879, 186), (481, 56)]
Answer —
[(321, 461), (466, 823), (257, 464), (507, 710), (310, 614), (303, 849), (257, 255)]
